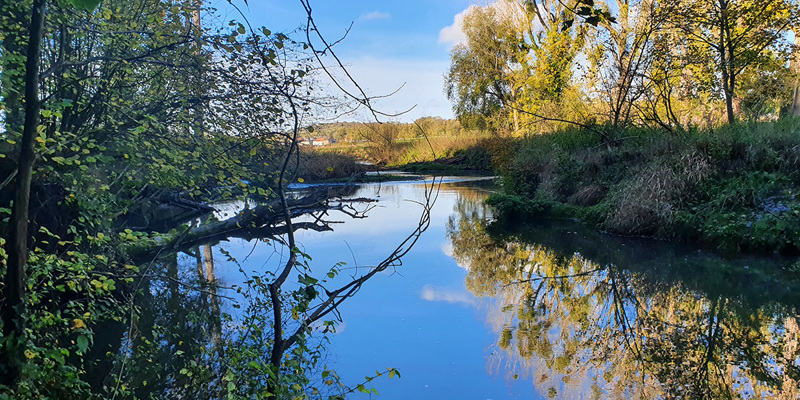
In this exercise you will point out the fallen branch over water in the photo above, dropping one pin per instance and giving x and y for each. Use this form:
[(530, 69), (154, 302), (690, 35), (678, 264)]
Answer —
[(263, 221)]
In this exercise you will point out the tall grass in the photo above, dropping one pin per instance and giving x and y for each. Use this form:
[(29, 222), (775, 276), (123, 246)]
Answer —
[(415, 150), (317, 164), (734, 186)]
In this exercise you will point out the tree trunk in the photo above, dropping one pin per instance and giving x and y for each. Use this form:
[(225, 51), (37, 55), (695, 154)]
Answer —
[(260, 222), (729, 105), (726, 61), (13, 308), (516, 123), (794, 66)]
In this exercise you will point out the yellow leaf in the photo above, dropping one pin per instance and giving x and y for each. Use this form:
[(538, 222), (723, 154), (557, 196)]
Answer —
[(301, 180), (77, 323)]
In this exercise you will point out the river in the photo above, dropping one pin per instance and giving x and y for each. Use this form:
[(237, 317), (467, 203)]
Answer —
[(484, 309)]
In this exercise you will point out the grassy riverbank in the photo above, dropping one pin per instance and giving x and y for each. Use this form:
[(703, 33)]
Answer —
[(734, 188), (442, 154)]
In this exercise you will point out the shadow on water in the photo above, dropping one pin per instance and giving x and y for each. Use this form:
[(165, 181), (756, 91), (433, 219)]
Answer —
[(589, 315)]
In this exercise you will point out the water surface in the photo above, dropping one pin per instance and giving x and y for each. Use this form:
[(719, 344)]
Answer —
[(484, 309)]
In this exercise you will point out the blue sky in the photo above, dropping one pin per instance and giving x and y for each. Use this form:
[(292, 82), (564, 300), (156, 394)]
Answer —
[(390, 44)]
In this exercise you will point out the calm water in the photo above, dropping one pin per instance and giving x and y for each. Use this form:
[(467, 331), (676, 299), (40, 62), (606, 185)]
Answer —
[(495, 310)]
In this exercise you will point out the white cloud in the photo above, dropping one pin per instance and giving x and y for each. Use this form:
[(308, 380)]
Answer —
[(374, 15), (447, 248), (431, 293), (454, 34), (505, 10)]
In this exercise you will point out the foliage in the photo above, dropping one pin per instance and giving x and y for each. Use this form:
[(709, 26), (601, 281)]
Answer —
[(515, 65), (669, 65), (144, 111), (732, 187), (318, 165), (733, 36)]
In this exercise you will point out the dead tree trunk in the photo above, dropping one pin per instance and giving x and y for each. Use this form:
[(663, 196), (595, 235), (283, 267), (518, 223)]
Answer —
[(260, 222)]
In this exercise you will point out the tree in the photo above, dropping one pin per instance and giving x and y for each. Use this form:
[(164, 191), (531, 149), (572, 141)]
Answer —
[(123, 135), (619, 55), (483, 80), (738, 34), (13, 311), (517, 63)]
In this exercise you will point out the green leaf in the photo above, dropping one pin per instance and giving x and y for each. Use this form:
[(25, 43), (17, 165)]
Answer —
[(87, 5), (83, 344)]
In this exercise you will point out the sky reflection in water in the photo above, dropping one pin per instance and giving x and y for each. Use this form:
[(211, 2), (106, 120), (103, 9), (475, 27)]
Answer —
[(568, 338), (419, 318)]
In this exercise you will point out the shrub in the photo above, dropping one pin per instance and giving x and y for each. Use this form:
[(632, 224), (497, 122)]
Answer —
[(733, 186), (318, 165)]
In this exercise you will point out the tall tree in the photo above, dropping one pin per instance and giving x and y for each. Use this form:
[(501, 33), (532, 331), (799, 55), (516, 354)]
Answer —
[(13, 308), (516, 63), (484, 76), (739, 34), (620, 54)]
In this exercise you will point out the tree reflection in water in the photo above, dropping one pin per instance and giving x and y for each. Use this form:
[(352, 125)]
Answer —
[(177, 335), (592, 316)]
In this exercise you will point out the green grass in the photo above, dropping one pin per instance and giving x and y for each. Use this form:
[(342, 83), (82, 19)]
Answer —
[(734, 187)]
